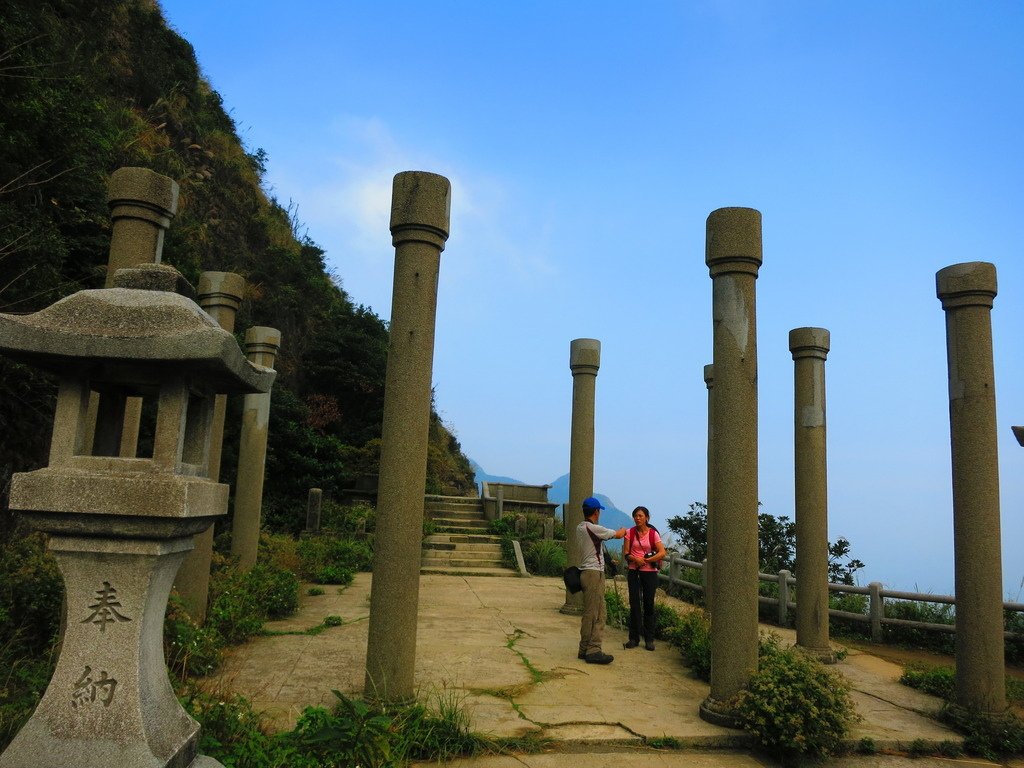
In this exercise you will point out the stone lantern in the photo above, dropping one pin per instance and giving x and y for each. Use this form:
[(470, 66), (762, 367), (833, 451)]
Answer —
[(120, 526)]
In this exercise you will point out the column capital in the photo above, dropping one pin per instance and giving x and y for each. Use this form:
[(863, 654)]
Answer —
[(421, 205), (970, 284), (733, 241), (709, 376), (261, 345), (809, 342), (140, 193), (584, 356), (221, 290)]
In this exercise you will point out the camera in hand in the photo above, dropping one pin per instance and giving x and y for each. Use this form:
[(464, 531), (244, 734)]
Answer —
[(652, 553)]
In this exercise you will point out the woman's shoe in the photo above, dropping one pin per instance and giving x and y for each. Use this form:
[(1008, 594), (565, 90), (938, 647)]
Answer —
[(631, 644), (648, 646)]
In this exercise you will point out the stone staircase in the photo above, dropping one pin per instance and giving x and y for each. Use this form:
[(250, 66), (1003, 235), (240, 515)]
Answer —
[(461, 544)]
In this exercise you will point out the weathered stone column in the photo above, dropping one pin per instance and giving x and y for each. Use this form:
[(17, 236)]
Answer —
[(261, 345), (810, 348), (142, 204), (967, 292), (313, 502), (220, 295), (584, 360), (709, 382), (733, 256), (420, 212)]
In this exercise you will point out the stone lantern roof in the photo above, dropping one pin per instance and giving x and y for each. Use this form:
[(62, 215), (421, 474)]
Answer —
[(131, 337)]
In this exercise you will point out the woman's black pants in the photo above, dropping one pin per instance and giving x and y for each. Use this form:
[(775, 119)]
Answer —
[(642, 586)]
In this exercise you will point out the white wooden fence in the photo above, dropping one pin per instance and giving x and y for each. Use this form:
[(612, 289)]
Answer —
[(876, 598)]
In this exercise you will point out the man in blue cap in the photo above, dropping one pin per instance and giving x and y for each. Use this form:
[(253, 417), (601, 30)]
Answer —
[(589, 536)]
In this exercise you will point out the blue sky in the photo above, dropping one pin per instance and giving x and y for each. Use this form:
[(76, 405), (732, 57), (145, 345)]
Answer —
[(587, 143)]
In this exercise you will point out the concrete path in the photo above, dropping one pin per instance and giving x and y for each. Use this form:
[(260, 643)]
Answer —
[(501, 647)]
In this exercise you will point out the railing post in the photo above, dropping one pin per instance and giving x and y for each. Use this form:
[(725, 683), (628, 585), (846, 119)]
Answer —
[(500, 513), (705, 580), (783, 598), (673, 569), (876, 611)]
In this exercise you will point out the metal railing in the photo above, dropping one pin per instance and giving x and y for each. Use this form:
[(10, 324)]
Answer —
[(875, 593)]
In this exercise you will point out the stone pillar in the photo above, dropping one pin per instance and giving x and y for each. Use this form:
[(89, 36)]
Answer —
[(313, 502), (549, 528), (142, 204), (709, 382), (420, 212), (584, 360), (966, 292), (261, 345), (220, 295), (733, 256), (810, 348)]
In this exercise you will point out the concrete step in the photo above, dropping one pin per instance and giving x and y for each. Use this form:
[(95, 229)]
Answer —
[(456, 514), (440, 546), (478, 526), (461, 554), (461, 564), (462, 538), (436, 570)]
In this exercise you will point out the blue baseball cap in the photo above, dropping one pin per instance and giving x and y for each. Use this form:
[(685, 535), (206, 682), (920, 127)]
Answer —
[(591, 503)]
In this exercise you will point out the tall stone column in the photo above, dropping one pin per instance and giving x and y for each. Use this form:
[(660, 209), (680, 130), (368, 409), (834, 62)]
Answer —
[(967, 292), (709, 382), (220, 294), (420, 212), (584, 360), (142, 204), (261, 345), (810, 348), (733, 256)]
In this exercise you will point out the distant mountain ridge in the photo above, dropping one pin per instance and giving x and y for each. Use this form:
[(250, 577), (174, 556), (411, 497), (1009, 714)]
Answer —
[(611, 516)]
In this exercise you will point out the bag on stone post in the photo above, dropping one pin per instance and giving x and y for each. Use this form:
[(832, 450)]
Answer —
[(611, 570)]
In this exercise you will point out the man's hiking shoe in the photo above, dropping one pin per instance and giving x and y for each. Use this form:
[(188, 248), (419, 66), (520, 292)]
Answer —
[(581, 655), (649, 646), (631, 644), (599, 658)]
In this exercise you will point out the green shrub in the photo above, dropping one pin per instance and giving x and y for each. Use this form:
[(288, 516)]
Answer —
[(189, 650), (616, 607), (23, 680), (241, 601), (319, 552), (991, 736), (314, 591), (333, 621), (794, 706), (31, 591), (692, 636), (1013, 621), (937, 681), (354, 734), (851, 603), (545, 557), (666, 621), (333, 574), (911, 637), (342, 519)]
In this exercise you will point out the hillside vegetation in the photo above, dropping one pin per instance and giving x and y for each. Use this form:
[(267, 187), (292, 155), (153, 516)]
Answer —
[(90, 87)]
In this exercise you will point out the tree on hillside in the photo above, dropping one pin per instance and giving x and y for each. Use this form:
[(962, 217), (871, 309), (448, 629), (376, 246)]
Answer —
[(776, 543), (91, 87)]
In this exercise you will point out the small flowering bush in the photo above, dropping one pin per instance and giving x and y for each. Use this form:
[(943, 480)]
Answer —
[(794, 706)]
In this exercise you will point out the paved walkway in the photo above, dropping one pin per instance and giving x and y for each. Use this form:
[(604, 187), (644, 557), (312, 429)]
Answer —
[(501, 647)]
